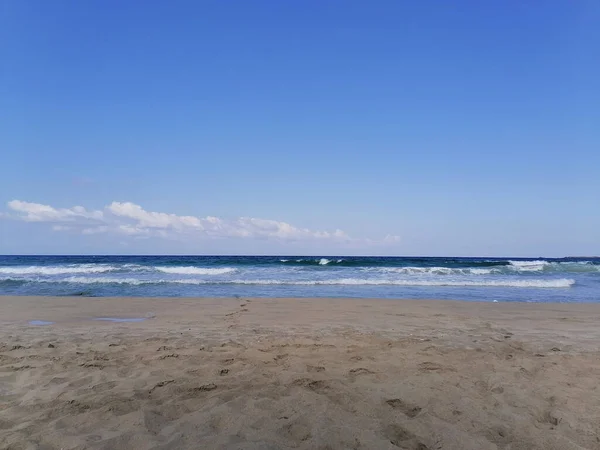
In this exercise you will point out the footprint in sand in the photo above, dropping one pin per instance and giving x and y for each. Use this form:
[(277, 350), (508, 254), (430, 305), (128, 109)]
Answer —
[(17, 347), (297, 432), (279, 358), (206, 387), (92, 365), (354, 373), (429, 366), (403, 438), (160, 384), (313, 385), (408, 409), (200, 389)]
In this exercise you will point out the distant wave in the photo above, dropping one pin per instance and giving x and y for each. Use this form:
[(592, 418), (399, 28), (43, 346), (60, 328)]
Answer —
[(523, 267), (57, 270), (191, 270), (535, 283), (319, 262), (325, 261), (103, 280), (432, 270), (558, 283), (74, 280), (553, 266), (536, 262), (365, 262), (529, 266)]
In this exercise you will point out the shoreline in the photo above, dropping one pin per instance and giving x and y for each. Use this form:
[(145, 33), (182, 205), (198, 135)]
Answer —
[(133, 302), (313, 298), (298, 373)]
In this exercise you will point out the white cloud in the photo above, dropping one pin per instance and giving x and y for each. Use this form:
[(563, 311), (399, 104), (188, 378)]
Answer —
[(35, 212), (149, 220), (129, 219)]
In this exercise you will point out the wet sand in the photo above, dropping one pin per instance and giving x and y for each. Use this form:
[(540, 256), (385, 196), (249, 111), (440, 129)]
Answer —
[(297, 373)]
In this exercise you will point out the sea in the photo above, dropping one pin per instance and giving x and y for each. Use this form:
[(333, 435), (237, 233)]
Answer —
[(569, 280)]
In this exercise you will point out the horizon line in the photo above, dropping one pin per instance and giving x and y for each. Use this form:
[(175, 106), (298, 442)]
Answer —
[(293, 255)]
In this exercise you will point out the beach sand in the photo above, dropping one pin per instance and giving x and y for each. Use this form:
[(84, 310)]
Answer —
[(298, 373)]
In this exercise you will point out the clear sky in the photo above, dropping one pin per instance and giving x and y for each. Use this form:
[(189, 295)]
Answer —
[(256, 127)]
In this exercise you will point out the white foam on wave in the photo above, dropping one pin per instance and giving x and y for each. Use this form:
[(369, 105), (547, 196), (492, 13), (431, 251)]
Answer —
[(191, 270), (558, 283), (135, 267), (57, 270), (101, 280), (529, 266), (537, 283), (536, 262), (515, 267), (321, 261), (432, 270), (481, 271), (553, 266)]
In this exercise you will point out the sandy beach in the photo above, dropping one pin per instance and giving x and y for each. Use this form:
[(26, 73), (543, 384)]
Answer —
[(239, 373)]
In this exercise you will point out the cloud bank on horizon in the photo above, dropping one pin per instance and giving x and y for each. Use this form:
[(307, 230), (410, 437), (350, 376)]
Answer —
[(129, 219)]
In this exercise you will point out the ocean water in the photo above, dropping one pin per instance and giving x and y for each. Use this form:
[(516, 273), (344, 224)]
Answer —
[(483, 279)]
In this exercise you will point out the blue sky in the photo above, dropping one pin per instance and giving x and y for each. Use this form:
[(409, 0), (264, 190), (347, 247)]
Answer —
[(415, 128)]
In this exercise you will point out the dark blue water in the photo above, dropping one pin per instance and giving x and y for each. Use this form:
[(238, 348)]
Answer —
[(488, 279)]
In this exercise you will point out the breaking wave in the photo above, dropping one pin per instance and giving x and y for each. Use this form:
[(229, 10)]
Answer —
[(556, 283), (57, 270), (190, 270), (432, 270), (511, 279), (318, 262)]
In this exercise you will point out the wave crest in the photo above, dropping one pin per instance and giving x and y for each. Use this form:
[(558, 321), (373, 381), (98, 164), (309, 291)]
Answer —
[(433, 270), (317, 262), (191, 270), (57, 270)]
